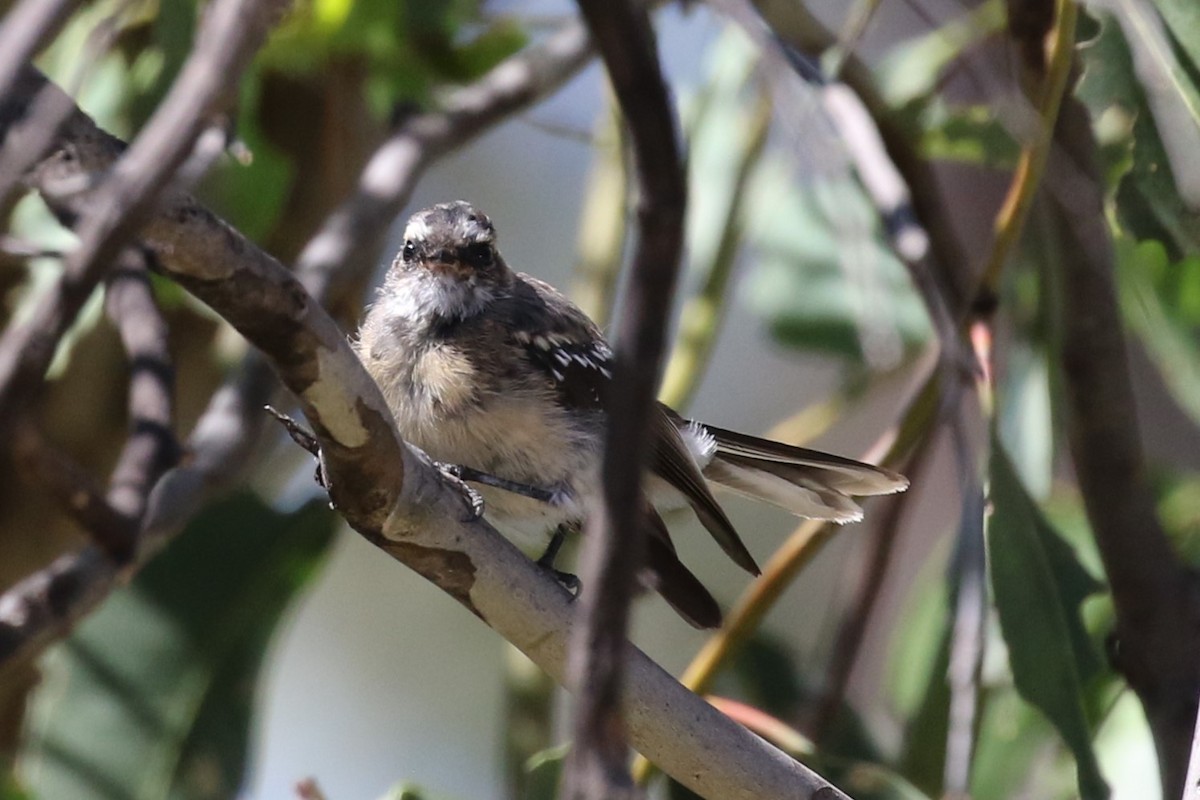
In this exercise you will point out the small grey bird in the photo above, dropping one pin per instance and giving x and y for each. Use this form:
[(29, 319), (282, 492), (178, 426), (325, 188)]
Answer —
[(498, 372)]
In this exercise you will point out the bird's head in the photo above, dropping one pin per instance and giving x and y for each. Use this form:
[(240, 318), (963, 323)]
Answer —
[(449, 265)]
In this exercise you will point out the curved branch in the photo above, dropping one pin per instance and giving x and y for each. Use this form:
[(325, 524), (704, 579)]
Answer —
[(398, 501)]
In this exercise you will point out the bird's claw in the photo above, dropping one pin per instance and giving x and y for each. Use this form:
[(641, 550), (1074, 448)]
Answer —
[(568, 581), (474, 500)]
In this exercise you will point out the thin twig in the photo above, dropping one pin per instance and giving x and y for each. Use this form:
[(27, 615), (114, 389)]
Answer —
[(700, 318), (151, 448), (353, 233), (1010, 219), (969, 613), (846, 646), (598, 764), (230, 34)]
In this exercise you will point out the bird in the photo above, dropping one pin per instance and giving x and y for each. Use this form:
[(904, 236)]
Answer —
[(502, 380)]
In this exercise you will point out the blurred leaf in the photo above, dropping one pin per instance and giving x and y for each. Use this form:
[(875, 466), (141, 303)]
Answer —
[(726, 135), (1024, 420), (918, 660), (252, 196), (405, 47), (968, 134), (1183, 20), (543, 771), (10, 789), (913, 68), (152, 696), (1148, 202), (767, 676), (804, 235), (1179, 510), (1014, 752), (1038, 586), (1169, 90), (1161, 303), (409, 791)]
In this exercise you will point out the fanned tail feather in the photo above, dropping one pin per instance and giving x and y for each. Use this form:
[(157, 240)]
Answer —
[(806, 482)]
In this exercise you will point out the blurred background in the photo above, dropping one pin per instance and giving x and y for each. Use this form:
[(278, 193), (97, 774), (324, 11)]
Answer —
[(267, 645)]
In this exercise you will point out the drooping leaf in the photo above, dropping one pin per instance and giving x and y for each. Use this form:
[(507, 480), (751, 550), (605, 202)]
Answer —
[(152, 696), (1159, 303), (1169, 90), (824, 279), (1148, 201), (1038, 585)]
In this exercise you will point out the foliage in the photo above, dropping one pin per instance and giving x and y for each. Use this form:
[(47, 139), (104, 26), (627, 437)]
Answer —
[(154, 695)]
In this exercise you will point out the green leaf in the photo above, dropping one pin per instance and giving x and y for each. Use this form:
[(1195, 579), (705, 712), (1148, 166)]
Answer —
[(914, 68), (1038, 585), (967, 134), (1170, 91), (542, 773), (1158, 301), (1148, 200), (824, 279), (152, 696)]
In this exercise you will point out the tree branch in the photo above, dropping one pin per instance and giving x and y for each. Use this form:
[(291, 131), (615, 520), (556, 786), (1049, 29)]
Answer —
[(151, 448), (347, 247), (1157, 599), (613, 550), (391, 495), (231, 32)]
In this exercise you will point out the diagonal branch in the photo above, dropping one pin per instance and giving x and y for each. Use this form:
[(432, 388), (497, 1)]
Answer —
[(225, 437), (392, 496), (231, 32)]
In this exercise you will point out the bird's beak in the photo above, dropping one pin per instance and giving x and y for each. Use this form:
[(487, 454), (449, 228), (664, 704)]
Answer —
[(446, 262)]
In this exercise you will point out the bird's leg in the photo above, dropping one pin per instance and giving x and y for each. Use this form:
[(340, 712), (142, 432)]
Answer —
[(570, 582), (473, 475)]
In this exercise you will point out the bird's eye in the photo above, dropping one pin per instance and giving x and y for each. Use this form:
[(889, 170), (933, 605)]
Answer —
[(480, 255), (410, 250)]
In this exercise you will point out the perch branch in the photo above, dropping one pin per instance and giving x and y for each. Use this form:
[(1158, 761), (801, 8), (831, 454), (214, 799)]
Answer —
[(398, 501)]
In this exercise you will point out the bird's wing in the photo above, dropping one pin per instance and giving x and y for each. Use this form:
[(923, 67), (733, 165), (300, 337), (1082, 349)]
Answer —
[(575, 357)]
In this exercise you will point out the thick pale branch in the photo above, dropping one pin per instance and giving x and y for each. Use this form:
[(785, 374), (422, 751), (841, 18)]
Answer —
[(399, 502)]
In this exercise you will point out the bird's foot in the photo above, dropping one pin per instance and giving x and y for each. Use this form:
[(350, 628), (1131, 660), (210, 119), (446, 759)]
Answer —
[(453, 473), (568, 581)]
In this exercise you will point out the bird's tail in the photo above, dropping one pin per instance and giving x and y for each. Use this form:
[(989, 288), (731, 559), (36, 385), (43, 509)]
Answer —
[(806, 482)]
